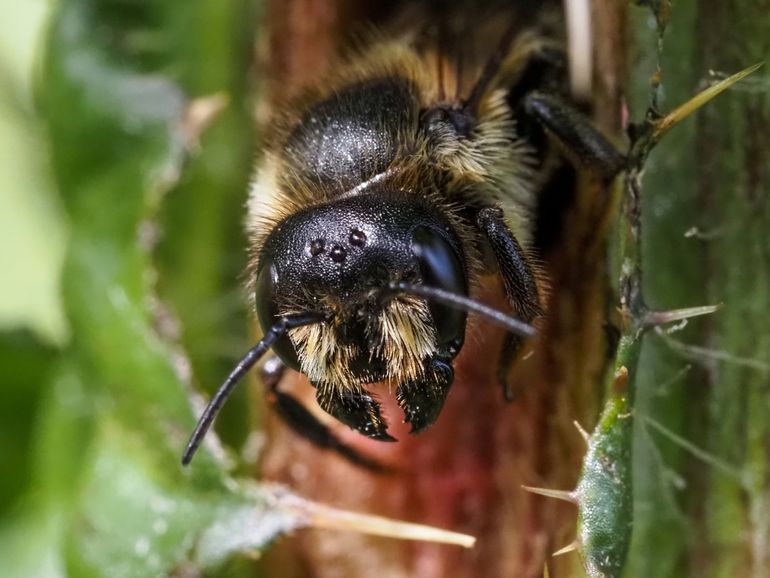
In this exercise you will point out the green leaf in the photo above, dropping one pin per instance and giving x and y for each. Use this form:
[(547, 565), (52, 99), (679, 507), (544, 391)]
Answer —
[(135, 521), (119, 138), (22, 389)]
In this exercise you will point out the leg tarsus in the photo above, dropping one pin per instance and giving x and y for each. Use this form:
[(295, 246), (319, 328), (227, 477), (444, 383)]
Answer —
[(423, 399), (576, 133)]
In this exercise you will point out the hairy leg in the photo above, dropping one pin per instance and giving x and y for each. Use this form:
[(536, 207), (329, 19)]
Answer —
[(304, 423), (519, 283)]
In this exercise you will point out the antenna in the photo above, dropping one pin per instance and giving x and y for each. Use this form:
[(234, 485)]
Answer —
[(466, 304), (244, 365)]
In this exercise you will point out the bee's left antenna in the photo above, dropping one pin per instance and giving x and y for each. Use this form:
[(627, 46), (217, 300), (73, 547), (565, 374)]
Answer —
[(464, 303), (244, 365)]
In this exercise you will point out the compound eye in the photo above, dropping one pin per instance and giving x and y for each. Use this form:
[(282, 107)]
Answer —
[(441, 267), (268, 314)]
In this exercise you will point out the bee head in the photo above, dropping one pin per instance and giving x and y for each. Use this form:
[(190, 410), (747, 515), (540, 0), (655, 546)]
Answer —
[(338, 259)]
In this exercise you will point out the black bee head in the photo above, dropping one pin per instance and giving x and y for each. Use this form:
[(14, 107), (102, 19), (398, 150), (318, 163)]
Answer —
[(337, 259)]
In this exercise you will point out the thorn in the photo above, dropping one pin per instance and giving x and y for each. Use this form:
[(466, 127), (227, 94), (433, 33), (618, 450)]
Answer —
[(318, 515), (681, 112), (567, 549), (557, 494), (656, 318), (583, 433)]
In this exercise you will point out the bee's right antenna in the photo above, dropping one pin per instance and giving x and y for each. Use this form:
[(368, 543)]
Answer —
[(466, 304), (244, 365)]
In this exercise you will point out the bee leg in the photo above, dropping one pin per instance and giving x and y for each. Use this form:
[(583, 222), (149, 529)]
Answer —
[(519, 283), (586, 145), (423, 399), (304, 423), (357, 409), (508, 353)]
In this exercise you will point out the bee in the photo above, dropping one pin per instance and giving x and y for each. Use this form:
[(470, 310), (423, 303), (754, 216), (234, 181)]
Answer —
[(386, 195)]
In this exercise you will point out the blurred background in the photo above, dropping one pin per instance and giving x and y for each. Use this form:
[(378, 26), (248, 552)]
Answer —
[(126, 145), (33, 235), (33, 226), (98, 97)]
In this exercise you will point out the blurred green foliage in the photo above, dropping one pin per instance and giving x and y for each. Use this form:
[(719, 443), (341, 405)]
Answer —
[(96, 409), (32, 225)]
